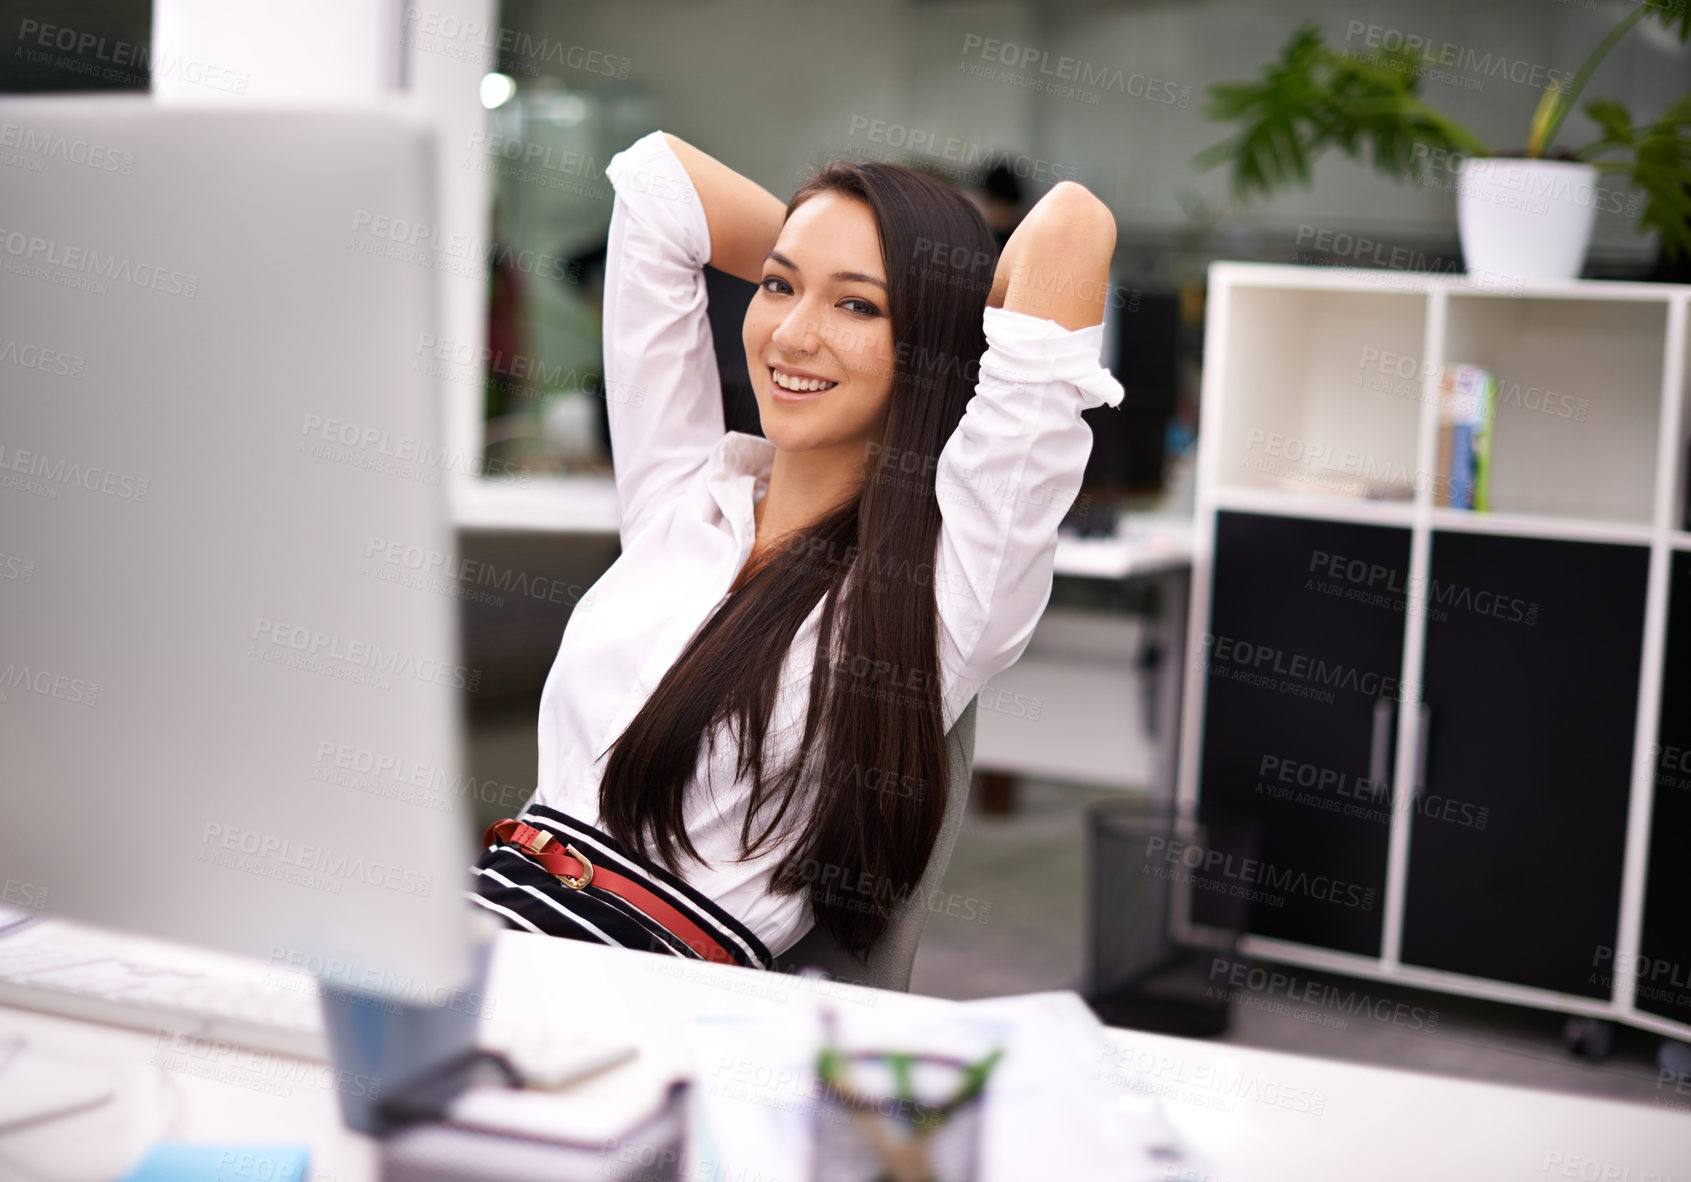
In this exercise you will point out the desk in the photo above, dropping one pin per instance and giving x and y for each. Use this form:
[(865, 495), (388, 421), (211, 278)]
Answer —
[(1143, 546), (1257, 1116), (1080, 665), (1157, 548)]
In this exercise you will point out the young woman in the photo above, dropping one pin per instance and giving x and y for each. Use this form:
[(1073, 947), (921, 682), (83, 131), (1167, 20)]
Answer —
[(743, 733)]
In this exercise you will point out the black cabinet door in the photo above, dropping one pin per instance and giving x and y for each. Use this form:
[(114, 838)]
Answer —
[(1663, 967), (1518, 835), (1301, 670)]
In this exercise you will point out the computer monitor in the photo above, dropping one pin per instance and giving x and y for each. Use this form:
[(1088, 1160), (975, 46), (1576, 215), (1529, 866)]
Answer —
[(728, 298), (1142, 343), (231, 697)]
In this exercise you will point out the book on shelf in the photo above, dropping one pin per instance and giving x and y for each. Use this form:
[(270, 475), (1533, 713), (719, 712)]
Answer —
[(1467, 403)]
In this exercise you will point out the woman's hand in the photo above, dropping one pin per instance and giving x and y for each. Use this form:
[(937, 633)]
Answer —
[(1056, 264), (744, 217)]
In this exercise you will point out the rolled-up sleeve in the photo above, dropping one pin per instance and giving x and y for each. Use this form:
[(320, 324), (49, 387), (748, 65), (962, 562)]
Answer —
[(1004, 480), (663, 396)]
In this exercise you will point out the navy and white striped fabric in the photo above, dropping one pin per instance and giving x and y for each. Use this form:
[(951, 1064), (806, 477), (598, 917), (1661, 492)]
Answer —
[(514, 887)]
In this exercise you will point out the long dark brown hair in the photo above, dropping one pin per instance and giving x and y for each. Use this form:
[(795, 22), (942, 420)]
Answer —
[(866, 815)]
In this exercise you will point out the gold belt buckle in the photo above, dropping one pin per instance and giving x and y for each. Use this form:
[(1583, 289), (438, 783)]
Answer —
[(575, 884)]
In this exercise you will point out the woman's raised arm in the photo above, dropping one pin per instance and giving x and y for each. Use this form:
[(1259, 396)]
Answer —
[(663, 394), (744, 217), (1056, 264), (1015, 463)]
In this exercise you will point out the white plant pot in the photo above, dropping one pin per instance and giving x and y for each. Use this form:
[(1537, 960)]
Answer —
[(1523, 221)]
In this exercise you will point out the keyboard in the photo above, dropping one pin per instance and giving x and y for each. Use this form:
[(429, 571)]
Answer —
[(57, 967)]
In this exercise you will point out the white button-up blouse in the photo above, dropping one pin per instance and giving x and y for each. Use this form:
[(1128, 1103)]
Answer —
[(686, 486)]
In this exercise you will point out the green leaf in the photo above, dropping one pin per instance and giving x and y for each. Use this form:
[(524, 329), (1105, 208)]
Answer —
[(1612, 119), (1543, 118), (1659, 166), (1671, 13)]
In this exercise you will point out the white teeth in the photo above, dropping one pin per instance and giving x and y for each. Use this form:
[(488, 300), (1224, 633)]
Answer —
[(800, 384)]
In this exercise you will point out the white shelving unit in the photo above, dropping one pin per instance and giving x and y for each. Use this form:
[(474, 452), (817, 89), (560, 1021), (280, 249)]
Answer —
[(1320, 405)]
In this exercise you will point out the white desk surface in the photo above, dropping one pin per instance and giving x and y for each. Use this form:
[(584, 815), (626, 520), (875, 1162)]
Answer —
[(1254, 1115), (1144, 543)]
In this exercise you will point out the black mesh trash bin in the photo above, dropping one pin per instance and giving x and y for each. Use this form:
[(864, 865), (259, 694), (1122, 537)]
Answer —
[(1148, 870)]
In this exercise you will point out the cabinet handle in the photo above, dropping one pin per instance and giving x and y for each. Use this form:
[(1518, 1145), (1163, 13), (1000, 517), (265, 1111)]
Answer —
[(1423, 733), (1377, 770)]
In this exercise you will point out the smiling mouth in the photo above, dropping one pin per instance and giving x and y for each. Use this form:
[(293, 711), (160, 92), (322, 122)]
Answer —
[(807, 388)]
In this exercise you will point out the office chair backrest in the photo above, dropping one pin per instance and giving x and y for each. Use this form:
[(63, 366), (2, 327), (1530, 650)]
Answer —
[(894, 954)]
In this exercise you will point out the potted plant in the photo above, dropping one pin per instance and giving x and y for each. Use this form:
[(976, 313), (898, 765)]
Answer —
[(1523, 215)]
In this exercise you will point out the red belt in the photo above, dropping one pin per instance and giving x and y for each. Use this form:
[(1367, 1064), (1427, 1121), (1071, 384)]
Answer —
[(571, 867)]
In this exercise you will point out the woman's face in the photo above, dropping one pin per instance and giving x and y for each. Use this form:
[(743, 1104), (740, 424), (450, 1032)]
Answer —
[(821, 311)]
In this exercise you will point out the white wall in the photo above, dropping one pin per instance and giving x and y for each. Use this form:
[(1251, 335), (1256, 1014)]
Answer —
[(317, 52), (768, 82), (257, 51)]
